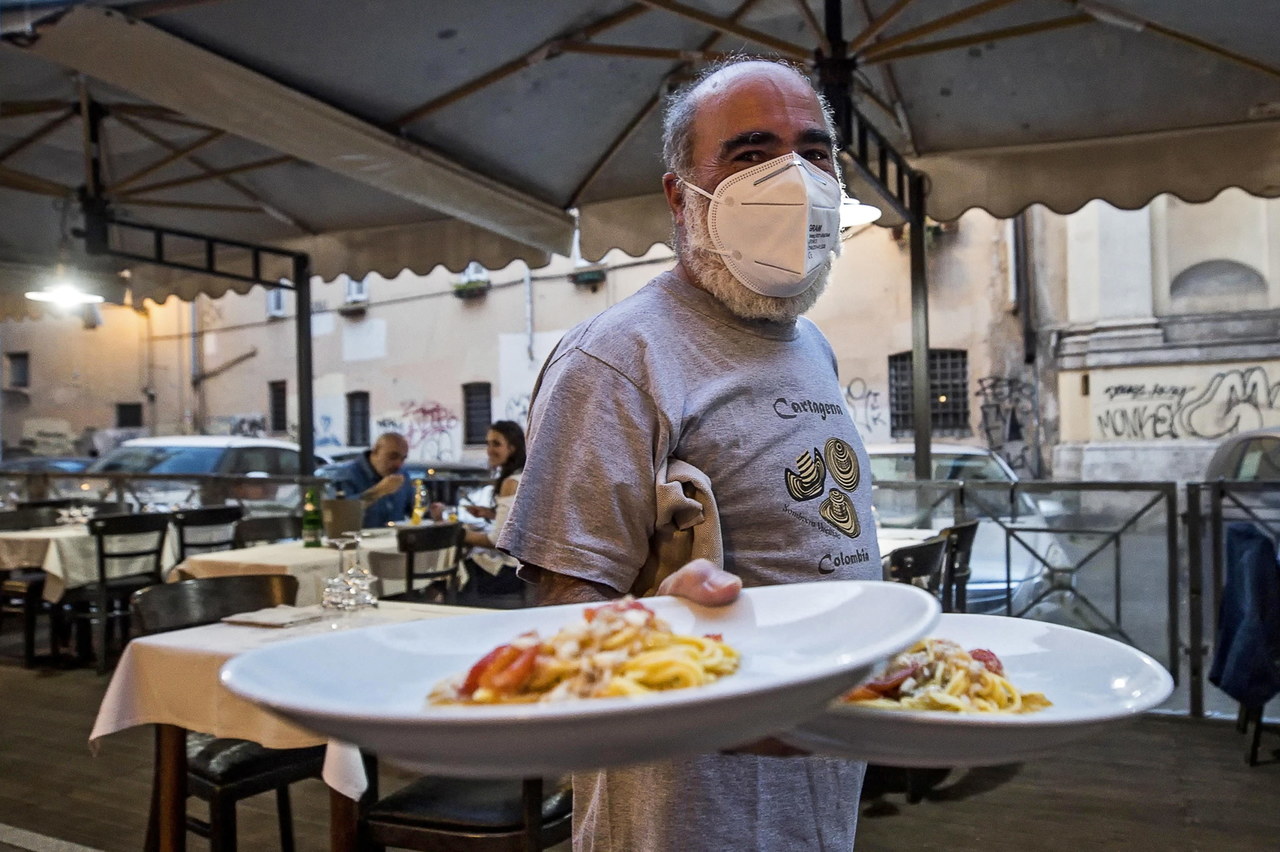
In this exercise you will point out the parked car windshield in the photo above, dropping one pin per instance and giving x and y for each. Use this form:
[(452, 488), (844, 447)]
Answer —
[(902, 468), (191, 460)]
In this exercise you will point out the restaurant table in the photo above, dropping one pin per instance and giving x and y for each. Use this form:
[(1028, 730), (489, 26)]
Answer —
[(311, 565), (891, 538), (68, 556), (171, 680)]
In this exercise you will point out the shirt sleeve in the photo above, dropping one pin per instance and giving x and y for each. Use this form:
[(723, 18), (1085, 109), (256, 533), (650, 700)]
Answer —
[(585, 504)]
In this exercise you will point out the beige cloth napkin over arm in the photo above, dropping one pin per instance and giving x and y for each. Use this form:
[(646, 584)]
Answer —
[(687, 525)]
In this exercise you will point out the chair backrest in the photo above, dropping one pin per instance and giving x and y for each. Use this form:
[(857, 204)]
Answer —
[(267, 528), (190, 603), (206, 529), (28, 518), (427, 538), (955, 580), (919, 564), (122, 537)]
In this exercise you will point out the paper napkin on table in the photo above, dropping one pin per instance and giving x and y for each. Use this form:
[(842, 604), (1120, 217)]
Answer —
[(277, 616)]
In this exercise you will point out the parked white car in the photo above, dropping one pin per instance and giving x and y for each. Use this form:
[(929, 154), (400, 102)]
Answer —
[(228, 455), (988, 579)]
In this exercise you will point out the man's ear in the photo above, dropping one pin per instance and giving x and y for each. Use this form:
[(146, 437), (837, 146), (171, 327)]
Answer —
[(674, 191)]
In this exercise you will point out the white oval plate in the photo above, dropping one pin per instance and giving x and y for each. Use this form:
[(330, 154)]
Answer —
[(1094, 683), (801, 644)]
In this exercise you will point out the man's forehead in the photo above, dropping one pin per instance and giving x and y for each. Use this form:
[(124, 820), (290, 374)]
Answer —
[(757, 98)]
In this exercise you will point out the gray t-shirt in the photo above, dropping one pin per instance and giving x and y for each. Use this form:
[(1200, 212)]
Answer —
[(669, 372)]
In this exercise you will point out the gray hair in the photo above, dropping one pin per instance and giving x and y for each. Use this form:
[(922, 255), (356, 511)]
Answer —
[(682, 107)]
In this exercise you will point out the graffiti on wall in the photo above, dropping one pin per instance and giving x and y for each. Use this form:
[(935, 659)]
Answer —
[(1231, 401), (428, 427), (517, 409), (325, 435), (1007, 417), (248, 425), (866, 406)]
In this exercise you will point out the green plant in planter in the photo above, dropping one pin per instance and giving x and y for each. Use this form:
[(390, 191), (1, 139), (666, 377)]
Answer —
[(474, 282), (473, 289)]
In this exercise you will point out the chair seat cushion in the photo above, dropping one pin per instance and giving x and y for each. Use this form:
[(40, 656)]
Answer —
[(22, 581), (117, 587), (462, 803), (222, 760)]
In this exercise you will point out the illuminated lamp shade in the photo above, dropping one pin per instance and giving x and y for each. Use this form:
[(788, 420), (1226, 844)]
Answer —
[(854, 213), (63, 292)]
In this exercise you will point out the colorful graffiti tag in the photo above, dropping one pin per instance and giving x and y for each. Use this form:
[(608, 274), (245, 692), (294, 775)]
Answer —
[(429, 428)]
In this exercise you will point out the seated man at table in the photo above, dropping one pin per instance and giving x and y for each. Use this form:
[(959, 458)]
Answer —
[(375, 478)]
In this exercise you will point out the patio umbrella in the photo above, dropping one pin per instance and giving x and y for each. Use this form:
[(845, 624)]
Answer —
[(384, 134)]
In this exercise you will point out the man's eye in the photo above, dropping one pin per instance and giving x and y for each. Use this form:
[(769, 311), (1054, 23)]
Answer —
[(818, 155)]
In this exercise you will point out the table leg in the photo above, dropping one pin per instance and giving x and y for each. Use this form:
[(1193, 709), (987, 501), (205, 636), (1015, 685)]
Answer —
[(170, 798), (344, 813)]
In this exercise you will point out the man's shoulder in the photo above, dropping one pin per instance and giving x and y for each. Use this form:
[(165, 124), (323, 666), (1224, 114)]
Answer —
[(638, 316), (357, 468)]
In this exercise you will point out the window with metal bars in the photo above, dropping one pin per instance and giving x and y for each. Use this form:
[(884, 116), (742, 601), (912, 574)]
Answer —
[(358, 419), (278, 402), (477, 407), (128, 415), (948, 393)]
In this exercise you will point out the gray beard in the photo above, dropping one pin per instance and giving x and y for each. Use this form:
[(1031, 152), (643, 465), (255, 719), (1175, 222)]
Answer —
[(709, 271)]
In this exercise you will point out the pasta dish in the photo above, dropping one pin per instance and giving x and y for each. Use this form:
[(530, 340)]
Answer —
[(620, 648), (938, 674)]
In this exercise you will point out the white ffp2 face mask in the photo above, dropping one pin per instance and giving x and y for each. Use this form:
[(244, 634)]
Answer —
[(775, 224)]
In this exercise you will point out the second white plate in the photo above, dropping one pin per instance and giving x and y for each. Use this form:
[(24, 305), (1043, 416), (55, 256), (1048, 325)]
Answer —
[(1094, 683), (801, 645)]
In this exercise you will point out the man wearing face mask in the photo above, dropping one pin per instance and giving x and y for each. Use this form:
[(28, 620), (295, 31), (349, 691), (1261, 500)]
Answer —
[(712, 366)]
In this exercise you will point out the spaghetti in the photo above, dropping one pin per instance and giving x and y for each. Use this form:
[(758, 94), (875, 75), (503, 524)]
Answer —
[(938, 674), (620, 648)]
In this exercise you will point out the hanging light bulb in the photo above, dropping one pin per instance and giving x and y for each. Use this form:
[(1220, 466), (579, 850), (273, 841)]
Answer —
[(63, 291)]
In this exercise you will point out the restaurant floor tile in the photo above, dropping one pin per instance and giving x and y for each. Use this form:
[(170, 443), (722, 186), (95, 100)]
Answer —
[(1166, 783)]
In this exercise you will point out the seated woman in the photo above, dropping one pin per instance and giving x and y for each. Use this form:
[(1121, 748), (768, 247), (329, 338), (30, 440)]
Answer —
[(496, 575)]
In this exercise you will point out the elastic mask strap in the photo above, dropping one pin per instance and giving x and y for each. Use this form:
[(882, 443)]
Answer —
[(696, 189)]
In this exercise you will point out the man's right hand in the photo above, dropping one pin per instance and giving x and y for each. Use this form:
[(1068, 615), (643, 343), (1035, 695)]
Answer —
[(389, 484), (703, 582)]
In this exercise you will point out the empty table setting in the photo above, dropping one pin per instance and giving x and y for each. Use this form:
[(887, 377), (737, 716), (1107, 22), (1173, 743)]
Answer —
[(311, 565), (67, 555), (172, 680)]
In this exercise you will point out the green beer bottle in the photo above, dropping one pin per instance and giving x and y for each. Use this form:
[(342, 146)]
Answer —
[(312, 523)]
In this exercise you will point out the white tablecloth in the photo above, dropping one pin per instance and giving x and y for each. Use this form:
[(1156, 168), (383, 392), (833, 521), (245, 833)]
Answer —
[(891, 538), (172, 678), (68, 555), (311, 565)]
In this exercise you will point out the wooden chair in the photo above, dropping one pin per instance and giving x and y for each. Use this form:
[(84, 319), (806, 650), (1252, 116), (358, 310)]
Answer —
[(22, 590), (923, 565), (919, 564), (205, 530), (465, 815), (445, 543), (955, 576), (221, 770), (266, 529), (103, 603)]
